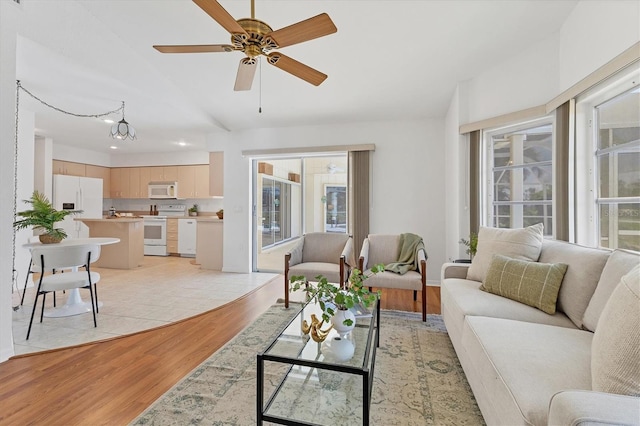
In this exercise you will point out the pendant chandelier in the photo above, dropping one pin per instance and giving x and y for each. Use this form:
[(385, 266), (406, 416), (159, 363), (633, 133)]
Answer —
[(122, 129)]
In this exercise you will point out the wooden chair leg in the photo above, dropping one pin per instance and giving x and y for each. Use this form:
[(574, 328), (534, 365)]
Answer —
[(424, 304), (415, 295)]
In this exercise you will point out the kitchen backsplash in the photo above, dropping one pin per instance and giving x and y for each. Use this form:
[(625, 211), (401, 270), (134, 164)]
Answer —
[(137, 205)]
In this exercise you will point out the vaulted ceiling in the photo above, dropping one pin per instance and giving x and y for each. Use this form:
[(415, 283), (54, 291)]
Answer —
[(388, 60)]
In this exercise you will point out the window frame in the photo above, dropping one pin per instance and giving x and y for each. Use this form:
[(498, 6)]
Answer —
[(587, 179), (487, 167)]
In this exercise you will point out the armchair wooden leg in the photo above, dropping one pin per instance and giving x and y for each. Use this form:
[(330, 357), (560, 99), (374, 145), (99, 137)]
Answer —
[(415, 295), (287, 258), (424, 304)]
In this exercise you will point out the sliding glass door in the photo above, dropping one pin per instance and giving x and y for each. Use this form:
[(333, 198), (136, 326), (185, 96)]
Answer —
[(277, 204)]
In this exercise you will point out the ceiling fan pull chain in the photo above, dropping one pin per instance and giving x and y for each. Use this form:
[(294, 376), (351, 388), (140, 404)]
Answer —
[(260, 88)]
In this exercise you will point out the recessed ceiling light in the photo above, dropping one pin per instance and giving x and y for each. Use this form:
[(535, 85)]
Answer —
[(182, 143), (113, 147), (108, 120)]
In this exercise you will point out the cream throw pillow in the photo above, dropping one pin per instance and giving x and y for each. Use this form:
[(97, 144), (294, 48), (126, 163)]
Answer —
[(521, 243), (534, 284), (615, 350)]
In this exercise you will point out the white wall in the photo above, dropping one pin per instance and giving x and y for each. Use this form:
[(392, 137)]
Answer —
[(594, 33), (9, 20), (408, 191), (160, 159), (78, 155)]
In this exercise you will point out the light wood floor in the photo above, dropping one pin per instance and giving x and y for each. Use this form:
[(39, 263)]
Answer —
[(113, 381)]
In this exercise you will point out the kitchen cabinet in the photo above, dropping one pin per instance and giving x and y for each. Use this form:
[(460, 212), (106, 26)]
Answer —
[(187, 230), (164, 173), (103, 173), (172, 235), (216, 174), (193, 181), (209, 243), (120, 182), (145, 178), (68, 168), (134, 182)]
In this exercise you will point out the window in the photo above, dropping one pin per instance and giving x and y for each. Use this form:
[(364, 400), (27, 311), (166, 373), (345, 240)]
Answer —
[(618, 170), (608, 167), (519, 176)]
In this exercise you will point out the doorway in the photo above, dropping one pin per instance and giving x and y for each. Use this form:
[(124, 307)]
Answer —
[(293, 196)]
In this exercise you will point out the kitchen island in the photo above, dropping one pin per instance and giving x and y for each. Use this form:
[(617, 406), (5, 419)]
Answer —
[(209, 242), (129, 252)]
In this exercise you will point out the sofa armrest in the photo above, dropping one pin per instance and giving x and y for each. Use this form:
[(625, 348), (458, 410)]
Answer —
[(347, 253), (364, 256), (454, 270), (295, 254), (580, 407)]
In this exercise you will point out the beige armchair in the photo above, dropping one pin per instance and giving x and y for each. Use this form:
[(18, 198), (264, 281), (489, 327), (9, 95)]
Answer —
[(319, 253), (385, 249)]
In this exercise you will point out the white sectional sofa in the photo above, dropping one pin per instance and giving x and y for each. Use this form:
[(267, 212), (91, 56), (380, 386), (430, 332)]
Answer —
[(527, 367)]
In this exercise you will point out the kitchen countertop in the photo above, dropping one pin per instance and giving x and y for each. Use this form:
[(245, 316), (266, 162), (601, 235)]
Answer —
[(115, 219)]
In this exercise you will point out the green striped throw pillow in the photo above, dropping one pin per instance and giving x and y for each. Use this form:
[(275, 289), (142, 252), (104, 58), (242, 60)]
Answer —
[(532, 283)]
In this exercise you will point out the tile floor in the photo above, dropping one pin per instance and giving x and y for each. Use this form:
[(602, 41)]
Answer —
[(161, 291)]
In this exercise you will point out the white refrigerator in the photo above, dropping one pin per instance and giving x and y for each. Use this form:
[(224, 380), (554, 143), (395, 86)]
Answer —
[(77, 193)]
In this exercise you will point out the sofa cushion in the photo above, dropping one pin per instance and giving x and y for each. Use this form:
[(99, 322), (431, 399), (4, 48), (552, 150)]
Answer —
[(615, 359), (310, 270), (464, 298), (581, 278), (323, 247), (532, 283), (619, 263), (523, 244), (383, 248), (522, 365)]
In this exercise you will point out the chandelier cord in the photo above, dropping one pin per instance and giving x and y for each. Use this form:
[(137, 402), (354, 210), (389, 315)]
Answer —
[(67, 112), (14, 277)]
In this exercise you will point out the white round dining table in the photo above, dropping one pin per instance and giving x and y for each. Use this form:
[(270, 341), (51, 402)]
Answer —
[(74, 304)]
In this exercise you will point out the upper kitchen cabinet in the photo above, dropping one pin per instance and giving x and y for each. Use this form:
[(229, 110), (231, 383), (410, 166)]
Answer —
[(193, 181), (145, 178), (103, 173), (216, 174), (134, 183), (166, 174), (68, 168), (120, 182)]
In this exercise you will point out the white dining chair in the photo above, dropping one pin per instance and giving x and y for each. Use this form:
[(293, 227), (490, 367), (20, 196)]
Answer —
[(63, 257)]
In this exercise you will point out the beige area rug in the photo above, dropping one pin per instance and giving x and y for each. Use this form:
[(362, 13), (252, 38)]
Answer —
[(418, 379)]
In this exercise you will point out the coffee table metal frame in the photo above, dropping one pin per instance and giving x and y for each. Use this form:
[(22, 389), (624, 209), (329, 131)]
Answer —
[(364, 372)]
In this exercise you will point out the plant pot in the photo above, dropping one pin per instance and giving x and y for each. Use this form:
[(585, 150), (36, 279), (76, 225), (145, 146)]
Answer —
[(338, 348), (49, 239), (338, 321), (193, 213)]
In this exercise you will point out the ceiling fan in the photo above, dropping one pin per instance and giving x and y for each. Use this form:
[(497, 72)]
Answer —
[(254, 38)]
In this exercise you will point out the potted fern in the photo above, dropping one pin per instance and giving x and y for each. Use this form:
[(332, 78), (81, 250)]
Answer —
[(42, 217)]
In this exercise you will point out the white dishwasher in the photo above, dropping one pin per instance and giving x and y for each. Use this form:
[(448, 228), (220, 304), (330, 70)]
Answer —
[(187, 237)]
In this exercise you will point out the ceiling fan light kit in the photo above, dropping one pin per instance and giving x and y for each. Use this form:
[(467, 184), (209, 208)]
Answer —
[(254, 38)]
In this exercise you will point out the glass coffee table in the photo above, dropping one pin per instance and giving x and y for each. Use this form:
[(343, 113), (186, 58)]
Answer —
[(303, 382)]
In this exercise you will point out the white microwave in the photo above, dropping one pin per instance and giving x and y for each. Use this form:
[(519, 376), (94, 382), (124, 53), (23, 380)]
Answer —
[(160, 190)]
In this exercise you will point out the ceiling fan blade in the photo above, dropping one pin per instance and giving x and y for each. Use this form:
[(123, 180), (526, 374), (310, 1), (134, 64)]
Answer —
[(246, 71), (194, 48), (296, 68), (221, 16), (306, 30)]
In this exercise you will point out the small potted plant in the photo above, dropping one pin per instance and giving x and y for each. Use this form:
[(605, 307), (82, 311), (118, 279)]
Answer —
[(43, 217), (471, 244), (193, 211), (220, 214), (336, 302)]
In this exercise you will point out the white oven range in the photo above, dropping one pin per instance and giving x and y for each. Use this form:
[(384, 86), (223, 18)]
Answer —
[(155, 229)]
